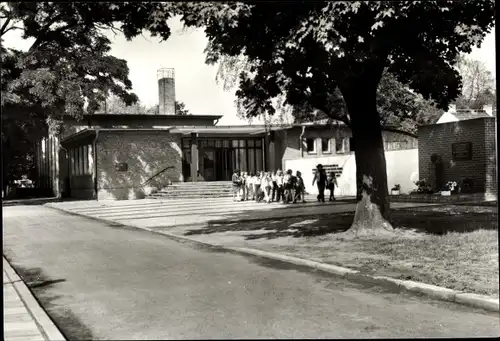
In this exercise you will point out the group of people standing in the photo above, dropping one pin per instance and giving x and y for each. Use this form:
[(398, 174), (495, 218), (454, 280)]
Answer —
[(280, 186), (268, 186)]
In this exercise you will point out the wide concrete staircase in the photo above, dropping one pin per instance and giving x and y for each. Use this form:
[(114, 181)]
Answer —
[(202, 189)]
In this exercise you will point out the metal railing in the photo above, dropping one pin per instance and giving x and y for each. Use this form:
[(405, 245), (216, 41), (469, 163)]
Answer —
[(154, 176)]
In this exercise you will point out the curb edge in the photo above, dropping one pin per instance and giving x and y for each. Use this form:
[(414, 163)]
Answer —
[(44, 323)]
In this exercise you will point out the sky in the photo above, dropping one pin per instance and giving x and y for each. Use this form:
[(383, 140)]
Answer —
[(195, 81)]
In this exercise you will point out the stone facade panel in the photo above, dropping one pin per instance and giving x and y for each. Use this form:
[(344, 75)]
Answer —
[(144, 154)]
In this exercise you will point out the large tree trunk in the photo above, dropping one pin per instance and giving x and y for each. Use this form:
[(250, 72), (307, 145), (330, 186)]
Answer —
[(372, 210)]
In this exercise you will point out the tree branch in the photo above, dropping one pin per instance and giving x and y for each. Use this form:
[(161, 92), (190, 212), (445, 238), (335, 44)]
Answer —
[(11, 28), (44, 32), (4, 26)]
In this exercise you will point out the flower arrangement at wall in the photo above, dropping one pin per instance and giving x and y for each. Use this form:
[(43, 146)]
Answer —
[(450, 186), (395, 190), (423, 187)]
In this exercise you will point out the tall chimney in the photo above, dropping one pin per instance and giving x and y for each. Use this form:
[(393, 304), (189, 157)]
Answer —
[(166, 91), (489, 109)]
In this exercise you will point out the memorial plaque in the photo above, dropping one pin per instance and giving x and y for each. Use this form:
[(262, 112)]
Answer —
[(461, 151), (121, 167)]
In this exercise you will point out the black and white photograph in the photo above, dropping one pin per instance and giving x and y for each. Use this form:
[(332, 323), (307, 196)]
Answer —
[(196, 170)]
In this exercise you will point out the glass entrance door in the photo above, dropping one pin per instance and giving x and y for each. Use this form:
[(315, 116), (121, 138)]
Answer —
[(207, 165), (223, 162)]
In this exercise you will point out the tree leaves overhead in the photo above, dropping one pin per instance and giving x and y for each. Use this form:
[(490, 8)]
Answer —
[(305, 48)]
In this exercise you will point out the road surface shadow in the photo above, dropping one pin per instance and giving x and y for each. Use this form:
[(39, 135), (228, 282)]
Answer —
[(42, 289)]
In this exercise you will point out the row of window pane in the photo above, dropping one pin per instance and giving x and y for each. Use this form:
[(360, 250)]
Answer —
[(340, 145), (186, 143), (79, 159)]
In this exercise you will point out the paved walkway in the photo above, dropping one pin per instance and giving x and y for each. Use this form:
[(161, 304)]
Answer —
[(195, 212), (18, 323)]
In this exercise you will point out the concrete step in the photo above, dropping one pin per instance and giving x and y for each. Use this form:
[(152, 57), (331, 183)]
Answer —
[(193, 190), (202, 183), (189, 195), (201, 187)]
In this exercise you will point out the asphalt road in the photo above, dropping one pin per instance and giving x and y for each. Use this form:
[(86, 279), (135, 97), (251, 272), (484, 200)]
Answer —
[(101, 282)]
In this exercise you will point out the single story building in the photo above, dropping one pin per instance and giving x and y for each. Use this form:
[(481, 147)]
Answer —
[(126, 156)]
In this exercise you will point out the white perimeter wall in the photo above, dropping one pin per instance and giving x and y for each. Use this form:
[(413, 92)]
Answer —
[(402, 169)]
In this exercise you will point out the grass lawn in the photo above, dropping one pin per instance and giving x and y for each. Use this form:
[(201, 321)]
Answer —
[(453, 246)]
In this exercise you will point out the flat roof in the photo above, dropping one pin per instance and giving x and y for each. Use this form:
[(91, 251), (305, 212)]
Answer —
[(252, 130), (142, 116), (210, 130)]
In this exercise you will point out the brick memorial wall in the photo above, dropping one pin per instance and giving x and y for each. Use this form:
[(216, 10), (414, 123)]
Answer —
[(465, 149)]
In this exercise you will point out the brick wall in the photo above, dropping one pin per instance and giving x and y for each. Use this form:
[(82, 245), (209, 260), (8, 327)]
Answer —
[(438, 139), (145, 154)]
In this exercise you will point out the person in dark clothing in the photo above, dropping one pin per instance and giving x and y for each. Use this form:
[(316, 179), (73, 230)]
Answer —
[(321, 180)]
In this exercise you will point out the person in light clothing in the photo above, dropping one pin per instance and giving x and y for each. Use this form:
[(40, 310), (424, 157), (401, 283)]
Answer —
[(274, 188), (236, 179), (243, 188), (249, 186), (265, 186), (269, 187), (256, 186), (279, 182)]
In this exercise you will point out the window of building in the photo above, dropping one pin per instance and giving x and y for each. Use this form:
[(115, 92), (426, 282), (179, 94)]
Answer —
[(72, 160), (339, 146), (77, 161), (325, 146), (82, 159), (311, 145), (90, 158), (85, 159)]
